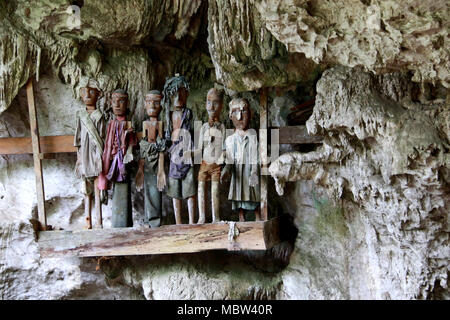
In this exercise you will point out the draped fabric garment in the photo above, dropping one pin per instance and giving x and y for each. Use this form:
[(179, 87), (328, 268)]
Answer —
[(89, 154), (116, 138), (150, 151), (242, 158), (152, 196), (179, 165)]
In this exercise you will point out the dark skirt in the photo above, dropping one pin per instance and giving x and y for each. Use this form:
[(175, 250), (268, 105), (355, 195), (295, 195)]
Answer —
[(121, 216)]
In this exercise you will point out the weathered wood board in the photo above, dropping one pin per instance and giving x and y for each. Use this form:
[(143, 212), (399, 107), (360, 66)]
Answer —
[(34, 129), (256, 235), (59, 144), (50, 144)]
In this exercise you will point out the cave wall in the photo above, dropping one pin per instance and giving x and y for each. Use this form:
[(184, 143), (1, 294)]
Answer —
[(384, 163), (369, 207)]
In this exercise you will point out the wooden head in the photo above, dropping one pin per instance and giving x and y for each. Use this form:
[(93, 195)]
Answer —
[(90, 95), (214, 104), (119, 102), (153, 103), (240, 113)]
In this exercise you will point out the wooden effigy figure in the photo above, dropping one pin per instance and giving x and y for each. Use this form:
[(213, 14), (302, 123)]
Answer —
[(120, 139), (151, 174), (242, 161), (211, 145), (179, 127), (89, 140)]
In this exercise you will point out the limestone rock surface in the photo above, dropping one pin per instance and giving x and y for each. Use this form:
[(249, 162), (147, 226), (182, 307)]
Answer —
[(386, 156), (378, 35)]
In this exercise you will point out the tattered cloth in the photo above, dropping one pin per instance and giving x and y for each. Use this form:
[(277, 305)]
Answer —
[(150, 150), (89, 135), (242, 158), (117, 142), (178, 167)]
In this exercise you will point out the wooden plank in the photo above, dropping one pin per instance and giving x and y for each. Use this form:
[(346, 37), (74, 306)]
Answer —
[(50, 144), (257, 235), (64, 143), (36, 156), (263, 117), (296, 134)]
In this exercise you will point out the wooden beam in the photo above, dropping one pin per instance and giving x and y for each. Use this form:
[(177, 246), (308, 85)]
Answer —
[(263, 117), (258, 235), (50, 144), (296, 134), (59, 144), (36, 156)]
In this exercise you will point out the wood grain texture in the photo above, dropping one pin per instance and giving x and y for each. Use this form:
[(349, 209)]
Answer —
[(260, 235), (36, 156), (60, 144), (50, 144)]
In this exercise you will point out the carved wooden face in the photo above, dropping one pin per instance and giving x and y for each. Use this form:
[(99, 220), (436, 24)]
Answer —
[(89, 95), (179, 99), (214, 104), (119, 103), (240, 114), (153, 104)]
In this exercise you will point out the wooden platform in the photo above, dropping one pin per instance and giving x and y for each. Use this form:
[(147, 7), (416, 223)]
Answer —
[(261, 235)]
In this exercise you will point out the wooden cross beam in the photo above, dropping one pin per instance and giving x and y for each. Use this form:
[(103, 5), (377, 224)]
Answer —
[(50, 144), (64, 143)]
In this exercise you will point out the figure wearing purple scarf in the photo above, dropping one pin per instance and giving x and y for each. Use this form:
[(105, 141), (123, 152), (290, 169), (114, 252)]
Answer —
[(179, 166), (120, 139), (181, 183)]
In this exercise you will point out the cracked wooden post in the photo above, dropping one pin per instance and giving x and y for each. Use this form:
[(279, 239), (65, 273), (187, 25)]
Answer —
[(263, 114), (37, 157)]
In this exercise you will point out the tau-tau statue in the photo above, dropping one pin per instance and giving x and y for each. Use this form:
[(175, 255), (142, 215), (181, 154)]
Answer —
[(89, 140), (151, 164), (181, 183), (211, 142), (120, 139), (242, 161)]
